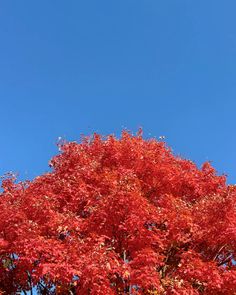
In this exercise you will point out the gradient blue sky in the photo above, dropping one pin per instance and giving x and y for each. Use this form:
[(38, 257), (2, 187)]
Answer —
[(74, 67)]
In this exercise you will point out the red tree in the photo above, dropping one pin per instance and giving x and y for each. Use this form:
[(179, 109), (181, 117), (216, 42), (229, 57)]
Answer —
[(119, 216)]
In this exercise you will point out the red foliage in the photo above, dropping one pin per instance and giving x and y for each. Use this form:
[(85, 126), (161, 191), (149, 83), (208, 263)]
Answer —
[(119, 216)]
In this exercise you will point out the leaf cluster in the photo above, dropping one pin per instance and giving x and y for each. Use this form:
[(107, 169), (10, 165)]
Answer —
[(118, 216)]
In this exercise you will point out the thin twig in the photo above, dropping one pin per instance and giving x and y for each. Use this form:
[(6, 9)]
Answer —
[(218, 252), (225, 260)]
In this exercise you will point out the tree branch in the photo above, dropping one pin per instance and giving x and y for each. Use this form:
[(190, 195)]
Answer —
[(225, 260), (218, 252)]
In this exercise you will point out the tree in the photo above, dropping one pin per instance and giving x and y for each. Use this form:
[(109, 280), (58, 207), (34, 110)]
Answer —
[(118, 216)]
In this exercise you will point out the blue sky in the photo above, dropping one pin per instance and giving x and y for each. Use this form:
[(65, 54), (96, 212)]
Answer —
[(74, 67)]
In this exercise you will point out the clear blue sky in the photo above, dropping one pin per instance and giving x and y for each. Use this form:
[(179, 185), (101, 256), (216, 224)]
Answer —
[(73, 67)]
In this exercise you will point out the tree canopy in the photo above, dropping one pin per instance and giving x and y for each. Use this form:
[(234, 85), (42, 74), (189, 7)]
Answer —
[(118, 216)]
